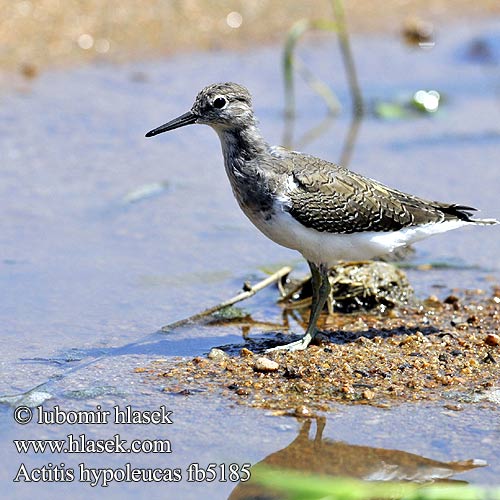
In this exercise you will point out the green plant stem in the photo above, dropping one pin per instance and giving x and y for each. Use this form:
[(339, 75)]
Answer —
[(296, 32), (345, 48)]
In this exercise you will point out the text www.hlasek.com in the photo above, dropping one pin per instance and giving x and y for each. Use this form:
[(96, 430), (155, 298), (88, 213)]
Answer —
[(82, 444)]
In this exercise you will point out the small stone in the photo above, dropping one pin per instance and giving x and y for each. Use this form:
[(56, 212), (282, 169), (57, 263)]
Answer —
[(459, 323), (321, 338), (359, 325), (489, 358), (302, 411), (368, 394), (292, 372), (217, 354), (383, 405), (265, 365), (473, 319), (242, 391), (451, 299), (454, 407), (245, 353), (417, 31), (29, 70), (363, 340), (230, 367), (392, 313), (432, 301), (492, 339)]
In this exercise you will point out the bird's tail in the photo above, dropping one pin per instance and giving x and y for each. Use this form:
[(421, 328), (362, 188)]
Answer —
[(463, 212), (485, 222)]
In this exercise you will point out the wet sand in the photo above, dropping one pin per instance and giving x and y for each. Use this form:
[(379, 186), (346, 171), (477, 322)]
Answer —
[(36, 35), (438, 350)]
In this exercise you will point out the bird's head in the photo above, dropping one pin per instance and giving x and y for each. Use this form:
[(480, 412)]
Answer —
[(221, 105)]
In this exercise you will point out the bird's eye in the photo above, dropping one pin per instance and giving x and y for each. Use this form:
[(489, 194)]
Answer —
[(219, 102)]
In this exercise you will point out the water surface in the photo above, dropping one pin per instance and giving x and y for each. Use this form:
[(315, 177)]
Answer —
[(91, 267)]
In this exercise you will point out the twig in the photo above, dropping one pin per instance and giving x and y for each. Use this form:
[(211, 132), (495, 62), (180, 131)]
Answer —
[(247, 293)]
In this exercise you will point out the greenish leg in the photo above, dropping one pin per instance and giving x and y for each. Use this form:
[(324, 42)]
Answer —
[(315, 284), (321, 290)]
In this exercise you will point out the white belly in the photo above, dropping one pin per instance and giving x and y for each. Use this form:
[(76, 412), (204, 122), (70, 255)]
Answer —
[(328, 248)]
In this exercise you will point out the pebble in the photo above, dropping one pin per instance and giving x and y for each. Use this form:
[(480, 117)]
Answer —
[(265, 365), (29, 70), (363, 340), (302, 411), (492, 339), (417, 31), (459, 323), (454, 301), (291, 372), (217, 354), (405, 367), (392, 313), (489, 358), (368, 394), (454, 407), (432, 301), (321, 338), (451, 299)]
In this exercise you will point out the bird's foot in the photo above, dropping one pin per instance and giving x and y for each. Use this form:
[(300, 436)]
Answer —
[(299, 345)]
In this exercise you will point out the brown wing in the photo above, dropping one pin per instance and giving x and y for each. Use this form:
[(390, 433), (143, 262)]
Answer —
[(330, 198)]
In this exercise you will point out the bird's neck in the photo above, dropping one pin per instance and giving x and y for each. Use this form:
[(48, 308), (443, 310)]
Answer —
[(242, 145), (245, 159)]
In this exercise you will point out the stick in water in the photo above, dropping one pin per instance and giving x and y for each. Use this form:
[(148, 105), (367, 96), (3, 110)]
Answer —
[(247, 293)]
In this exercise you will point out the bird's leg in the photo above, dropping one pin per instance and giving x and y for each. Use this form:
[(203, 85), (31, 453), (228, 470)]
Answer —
[(315, 284), (321, 290)]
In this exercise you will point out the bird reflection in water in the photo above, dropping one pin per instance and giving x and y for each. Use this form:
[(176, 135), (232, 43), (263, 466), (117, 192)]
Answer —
[(318, 455)]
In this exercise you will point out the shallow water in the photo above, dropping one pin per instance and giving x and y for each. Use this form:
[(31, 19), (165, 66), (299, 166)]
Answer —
[(92, 265)]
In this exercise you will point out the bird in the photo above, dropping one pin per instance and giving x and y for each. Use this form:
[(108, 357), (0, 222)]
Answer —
[(323, 210)]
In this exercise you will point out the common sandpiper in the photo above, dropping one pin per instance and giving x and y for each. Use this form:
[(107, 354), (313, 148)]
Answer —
[(325, 211)]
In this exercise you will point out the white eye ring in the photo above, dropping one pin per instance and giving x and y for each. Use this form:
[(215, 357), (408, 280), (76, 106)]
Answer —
[(219, 102)]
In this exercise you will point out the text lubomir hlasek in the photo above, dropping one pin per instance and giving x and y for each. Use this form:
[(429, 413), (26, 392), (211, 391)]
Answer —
[(99, 416)]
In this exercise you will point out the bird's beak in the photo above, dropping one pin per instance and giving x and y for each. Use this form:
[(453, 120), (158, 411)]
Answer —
[(185, 119)]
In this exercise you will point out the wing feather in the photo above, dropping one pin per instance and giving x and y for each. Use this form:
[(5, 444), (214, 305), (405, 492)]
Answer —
[(331, 198)]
